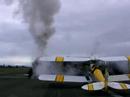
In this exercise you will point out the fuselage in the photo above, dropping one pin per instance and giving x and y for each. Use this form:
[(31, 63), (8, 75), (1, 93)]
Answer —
[(98, 74)]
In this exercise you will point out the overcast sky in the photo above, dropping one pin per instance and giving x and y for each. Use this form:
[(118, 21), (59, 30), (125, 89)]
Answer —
[(83, 27)]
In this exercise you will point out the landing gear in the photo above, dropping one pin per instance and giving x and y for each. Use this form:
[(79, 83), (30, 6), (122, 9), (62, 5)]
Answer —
[(88, 76)]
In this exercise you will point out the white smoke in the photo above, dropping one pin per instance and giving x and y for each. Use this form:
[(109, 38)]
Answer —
[(39, 15), (67, 68)]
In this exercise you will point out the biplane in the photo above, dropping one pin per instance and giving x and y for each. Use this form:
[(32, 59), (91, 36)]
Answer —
[(95, 74), (95, 78)]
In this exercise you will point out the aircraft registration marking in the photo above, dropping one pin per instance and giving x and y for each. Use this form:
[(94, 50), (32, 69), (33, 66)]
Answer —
[(124, 86), (59, 78), (90, 87)]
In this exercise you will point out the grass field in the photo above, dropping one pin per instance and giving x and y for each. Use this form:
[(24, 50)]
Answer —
[(25, 87), (15, 70)]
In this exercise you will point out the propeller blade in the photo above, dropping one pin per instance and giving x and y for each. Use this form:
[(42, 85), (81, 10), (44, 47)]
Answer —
[(94, 86), (119, 86)]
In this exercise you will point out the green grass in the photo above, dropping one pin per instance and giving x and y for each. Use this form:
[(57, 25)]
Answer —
[(14, 70), (33, 88), (25, 87)]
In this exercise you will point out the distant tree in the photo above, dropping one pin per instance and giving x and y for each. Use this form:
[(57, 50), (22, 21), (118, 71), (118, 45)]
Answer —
[(30, 73)]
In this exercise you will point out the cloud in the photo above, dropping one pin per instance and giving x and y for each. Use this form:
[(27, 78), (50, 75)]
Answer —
[(15, 39), (93, 27), (83, 27)]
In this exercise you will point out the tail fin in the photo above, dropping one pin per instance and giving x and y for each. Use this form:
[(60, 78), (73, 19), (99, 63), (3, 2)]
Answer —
[(94, 86), (119, 86)]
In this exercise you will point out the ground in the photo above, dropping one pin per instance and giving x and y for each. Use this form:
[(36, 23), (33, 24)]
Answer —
[(14, 84)]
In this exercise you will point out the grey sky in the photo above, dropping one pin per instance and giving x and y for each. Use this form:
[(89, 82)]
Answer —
[(83, 27)]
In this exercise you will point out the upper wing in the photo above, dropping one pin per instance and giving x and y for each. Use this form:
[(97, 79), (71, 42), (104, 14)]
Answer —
[(124, 77), (116, 58), (82, 59), (61, 78), (16, 60), (65, 59)]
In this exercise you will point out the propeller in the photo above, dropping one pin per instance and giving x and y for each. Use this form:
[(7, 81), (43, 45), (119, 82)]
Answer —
[(103, 82)]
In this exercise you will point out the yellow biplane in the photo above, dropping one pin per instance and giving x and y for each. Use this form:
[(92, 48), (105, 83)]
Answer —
[(94, 77), (102, 80)]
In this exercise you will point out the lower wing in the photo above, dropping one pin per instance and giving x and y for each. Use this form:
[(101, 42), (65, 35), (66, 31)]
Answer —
[(123, 77), (61, 78)]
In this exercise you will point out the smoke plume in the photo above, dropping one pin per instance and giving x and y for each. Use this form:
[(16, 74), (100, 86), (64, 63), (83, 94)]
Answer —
[(39, 14)]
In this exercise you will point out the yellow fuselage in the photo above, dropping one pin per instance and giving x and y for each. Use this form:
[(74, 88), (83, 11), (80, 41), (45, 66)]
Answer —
[(98, 75)]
